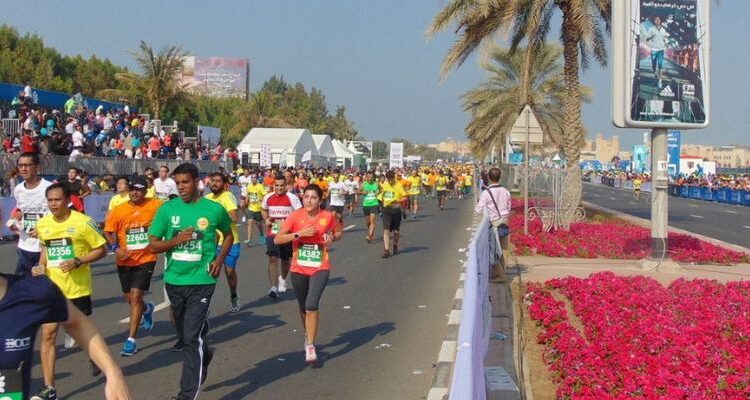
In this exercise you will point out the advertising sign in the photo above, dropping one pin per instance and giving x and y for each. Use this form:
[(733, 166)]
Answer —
[(397, 156), (265, 156), (641, 161), (673, 152), (217, 76), (661, 63), (209, 135)]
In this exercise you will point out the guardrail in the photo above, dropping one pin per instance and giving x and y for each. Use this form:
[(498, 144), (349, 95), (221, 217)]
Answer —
[(474, 331), (721, 195)]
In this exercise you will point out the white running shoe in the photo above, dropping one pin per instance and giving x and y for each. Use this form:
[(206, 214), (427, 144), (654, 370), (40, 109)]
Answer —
[(69, 341), (282, 285), (310, 356), (273, 292)]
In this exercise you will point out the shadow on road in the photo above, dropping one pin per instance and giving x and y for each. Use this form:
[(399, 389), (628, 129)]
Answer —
[(283, 365), (412, 249)]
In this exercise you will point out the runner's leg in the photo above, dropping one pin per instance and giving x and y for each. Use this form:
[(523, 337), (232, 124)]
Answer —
[(48, 352)]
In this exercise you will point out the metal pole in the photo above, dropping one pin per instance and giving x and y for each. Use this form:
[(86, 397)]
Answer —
[(659, 199), (526, 179)]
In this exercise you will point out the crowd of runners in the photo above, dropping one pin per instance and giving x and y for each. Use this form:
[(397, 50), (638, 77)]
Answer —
[(194, 221)]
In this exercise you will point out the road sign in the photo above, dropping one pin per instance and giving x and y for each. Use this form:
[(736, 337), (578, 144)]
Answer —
[(519, 129)]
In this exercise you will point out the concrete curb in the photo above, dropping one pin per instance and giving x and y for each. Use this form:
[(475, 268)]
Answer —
[(647, 224), (441, 378)]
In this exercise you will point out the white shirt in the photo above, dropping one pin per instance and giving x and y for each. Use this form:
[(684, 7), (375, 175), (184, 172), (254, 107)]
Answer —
[(77, 139), (351, 186), (33, 205), (338, 192), (27, 91), (244, 181), (165, 188), (657, 38)]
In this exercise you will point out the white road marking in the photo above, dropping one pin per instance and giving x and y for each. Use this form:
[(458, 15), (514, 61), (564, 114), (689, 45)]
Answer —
[(632, 202), (746, 227), (158, 307), (462, 249), (612, 198), (349, 227), (731, 212), (693, 205), (696, 216)]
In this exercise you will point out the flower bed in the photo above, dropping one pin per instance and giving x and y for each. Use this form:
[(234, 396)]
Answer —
[(613, 239), (632, 338)]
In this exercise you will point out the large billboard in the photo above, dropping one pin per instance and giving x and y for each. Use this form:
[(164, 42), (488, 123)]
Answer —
[(217, 76), (661, 63)]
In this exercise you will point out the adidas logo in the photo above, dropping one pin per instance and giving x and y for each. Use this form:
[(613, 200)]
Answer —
[(667, 92)]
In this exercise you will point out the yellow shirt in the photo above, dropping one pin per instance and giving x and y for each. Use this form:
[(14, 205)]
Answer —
[(414, 182), (440, 183), (61, 241), (467, 180), (151, 192), (104, 186), (255, 194), (118, 199), (229, 202), (390, 195)]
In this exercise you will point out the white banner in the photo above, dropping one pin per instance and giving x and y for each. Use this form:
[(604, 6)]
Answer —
[(397, 156), (265, 156), (282, 159)]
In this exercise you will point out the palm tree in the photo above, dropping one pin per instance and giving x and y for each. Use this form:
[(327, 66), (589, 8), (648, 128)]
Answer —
[(584, 26), (160, 80), (496, 103)]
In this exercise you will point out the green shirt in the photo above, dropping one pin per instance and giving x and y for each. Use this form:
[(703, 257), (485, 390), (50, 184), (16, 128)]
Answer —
[(189, 263), (370, 198)]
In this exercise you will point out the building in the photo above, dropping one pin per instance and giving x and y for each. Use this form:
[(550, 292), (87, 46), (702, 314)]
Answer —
[(724, 156), (452, 146), (602, 149)]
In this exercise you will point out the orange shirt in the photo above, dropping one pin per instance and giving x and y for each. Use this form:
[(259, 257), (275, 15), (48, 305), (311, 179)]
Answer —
[(131, 224), (432, 179), (268, 181), (308, 254), (323, 185)]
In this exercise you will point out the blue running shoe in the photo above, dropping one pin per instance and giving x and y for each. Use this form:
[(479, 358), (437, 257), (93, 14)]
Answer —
[(148, 316), (128, 348)]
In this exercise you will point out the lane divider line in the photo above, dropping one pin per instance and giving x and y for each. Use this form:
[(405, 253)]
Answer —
[(349, 228)]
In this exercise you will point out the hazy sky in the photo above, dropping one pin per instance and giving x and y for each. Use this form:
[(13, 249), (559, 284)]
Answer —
[(371, 56)]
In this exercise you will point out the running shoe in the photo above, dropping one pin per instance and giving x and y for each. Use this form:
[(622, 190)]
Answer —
[(273, 292), (95, 370), (234, 304), (128, 348), (148, 316), (386, 254), (395, 249), (69, 342), (179, 346), (310, 356), (48, 393), (249, 243), (282, 285)]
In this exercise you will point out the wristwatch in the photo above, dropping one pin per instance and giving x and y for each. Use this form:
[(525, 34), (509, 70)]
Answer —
[(77, 261), (296, 236)]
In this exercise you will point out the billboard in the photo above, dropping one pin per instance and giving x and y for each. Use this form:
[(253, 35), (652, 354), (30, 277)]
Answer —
[(674, 139), (641, 159), (217, 76), (209, 135), (660, 63), (397, 156)]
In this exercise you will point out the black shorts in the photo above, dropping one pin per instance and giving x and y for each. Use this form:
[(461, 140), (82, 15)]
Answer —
[(391, 218), (349, 199), (337, 209), (83, 304), (136, 277), (367, 210), (442, 193), (283, 251), (254, 215)]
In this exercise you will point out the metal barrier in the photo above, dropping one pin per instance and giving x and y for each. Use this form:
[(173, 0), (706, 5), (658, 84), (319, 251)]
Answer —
[(721, 195), (11, 126), (59, 165), (474, 332)]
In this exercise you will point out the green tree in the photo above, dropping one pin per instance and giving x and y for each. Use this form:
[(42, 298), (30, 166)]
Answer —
[(496, 103), (585, 23), (159, 82)]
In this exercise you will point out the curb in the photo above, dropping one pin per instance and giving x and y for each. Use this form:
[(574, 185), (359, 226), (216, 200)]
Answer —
[(646, 223), (441, 378)]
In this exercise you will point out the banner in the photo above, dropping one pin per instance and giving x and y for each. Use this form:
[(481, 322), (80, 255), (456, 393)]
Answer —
[(217, 76), (641, 162), (397, 156), (265, 156), (282, 159), (673, 152)]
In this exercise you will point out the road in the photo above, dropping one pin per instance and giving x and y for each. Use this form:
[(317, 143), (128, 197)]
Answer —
[(730, 223), (382, 324)]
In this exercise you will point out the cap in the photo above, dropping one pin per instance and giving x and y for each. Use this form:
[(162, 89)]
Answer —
[(138, 182)]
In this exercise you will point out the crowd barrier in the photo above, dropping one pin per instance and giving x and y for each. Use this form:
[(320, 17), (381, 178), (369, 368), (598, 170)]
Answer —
[(721, 195), (617, 183), (474, 331)]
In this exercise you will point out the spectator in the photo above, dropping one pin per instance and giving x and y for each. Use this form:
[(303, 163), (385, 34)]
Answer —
[(495, 200)]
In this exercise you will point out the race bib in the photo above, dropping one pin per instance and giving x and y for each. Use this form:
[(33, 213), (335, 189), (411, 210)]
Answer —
[(334, 192), (276, 226), (30, 219), (389, 195), (310, 255), (11, 384), (59, 251), (190, 251), (253, 197), (370, 196), (162, 196), (136, 239)]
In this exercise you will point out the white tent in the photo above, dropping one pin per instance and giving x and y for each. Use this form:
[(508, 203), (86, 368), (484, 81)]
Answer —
[(296, 142), (344, 157), (325, 149)]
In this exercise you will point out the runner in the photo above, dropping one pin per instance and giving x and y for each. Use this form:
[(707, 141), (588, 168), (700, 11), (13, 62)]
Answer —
[(441, 187), (391, 193), (337, 195), (185, 229), (637, 182), (31, 205), (468, 181), (70, 241), (369, 192), (255, 193), (426, 183), (414, 189), (351, 193), (122, 195), (29, 303), (227, 200), (165, 186), (243, 181), (276, 207), (311, 232), (126, 230)]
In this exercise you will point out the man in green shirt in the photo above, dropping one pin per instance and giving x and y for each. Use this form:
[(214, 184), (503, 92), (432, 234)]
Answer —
[(370, 206), (185, 229)]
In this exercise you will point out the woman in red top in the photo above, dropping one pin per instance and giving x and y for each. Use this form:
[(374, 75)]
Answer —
[(311, 231)]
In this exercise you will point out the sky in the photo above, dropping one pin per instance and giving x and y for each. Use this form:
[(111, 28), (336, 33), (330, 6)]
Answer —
[(371, 56)]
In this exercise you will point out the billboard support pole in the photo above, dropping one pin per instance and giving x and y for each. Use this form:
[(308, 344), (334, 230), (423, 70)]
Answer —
[(526, 176), (659, 198)]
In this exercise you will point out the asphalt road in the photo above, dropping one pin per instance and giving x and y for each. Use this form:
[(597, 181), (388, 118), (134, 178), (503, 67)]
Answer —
[(730, 223), (382, 323)]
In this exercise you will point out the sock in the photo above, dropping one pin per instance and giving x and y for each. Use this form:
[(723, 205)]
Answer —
[(130, 338)]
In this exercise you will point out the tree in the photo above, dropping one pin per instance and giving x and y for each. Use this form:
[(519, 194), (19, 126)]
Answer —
[(159, 82), (496, 103), (584, 26)]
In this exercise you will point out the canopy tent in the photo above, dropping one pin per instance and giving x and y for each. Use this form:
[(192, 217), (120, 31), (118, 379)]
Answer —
[(325, 148), (296, 142), (344, 157)]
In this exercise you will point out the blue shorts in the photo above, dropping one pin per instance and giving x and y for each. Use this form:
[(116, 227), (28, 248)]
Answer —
[(657, 59), (232, 256)]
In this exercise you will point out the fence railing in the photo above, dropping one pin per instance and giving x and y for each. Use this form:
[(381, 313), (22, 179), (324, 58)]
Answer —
[(721, 195)]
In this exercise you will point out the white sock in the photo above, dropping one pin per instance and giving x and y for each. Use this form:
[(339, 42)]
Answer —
[(130, 338)]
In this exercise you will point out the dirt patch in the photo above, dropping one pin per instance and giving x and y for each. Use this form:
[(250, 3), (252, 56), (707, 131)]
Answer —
[(573, 319)]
